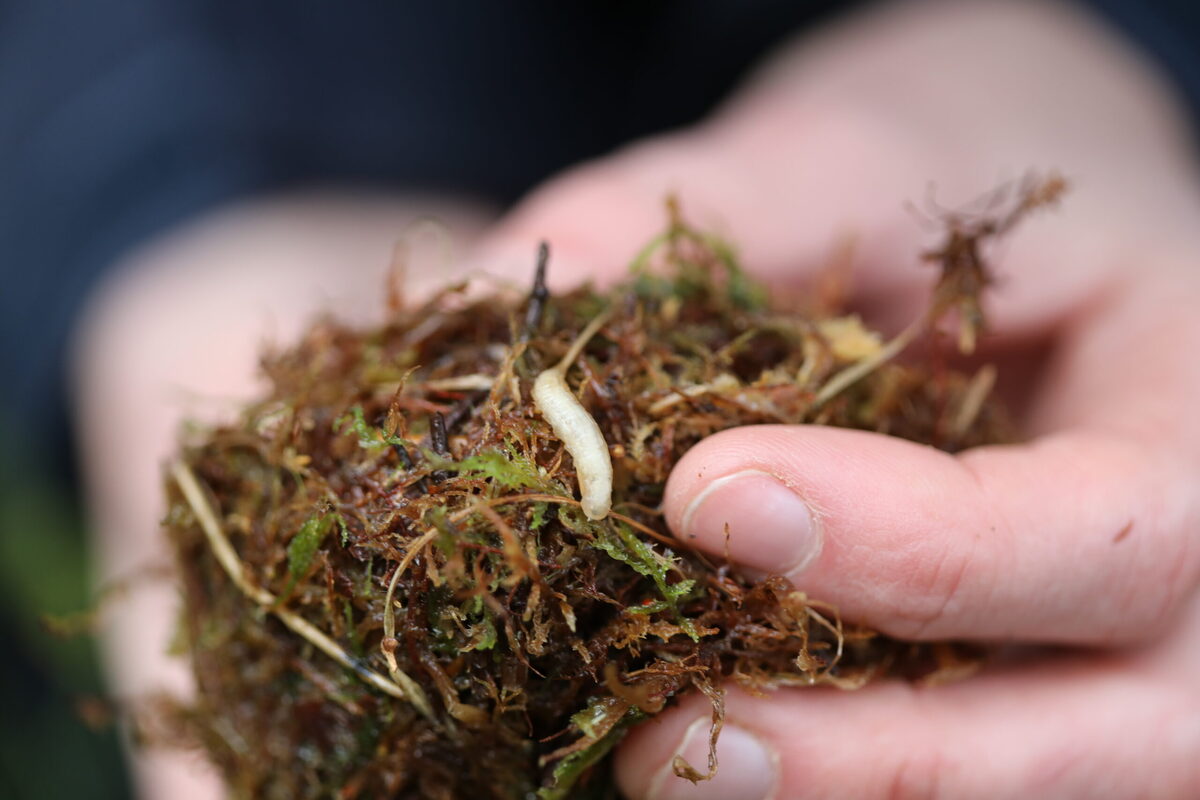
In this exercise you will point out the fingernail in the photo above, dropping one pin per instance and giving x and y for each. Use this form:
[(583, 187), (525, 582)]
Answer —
[(770, 527), (746, 769)]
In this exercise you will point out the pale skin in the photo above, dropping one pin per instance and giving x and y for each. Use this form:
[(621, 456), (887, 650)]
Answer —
[(1086, 536)]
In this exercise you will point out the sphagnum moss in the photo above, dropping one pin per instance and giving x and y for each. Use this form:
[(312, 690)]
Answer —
[(392, 591)]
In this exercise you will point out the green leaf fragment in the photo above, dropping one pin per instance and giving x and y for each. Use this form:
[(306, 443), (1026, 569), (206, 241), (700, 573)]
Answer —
[(483, 634), (649, 607), (303, 547), (590, 719), (505, 469), (690, 279), (689, 627), (368, 435), (571, 768), (629, 549)]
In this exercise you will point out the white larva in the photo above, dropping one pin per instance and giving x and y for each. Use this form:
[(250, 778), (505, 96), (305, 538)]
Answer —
[(578, 430)]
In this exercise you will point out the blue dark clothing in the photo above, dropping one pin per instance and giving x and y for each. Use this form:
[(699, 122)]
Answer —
[(119, 118)]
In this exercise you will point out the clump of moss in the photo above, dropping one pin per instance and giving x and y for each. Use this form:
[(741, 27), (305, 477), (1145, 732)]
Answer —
[(392, 591)]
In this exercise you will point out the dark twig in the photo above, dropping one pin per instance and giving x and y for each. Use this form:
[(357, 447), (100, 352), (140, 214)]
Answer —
[(405, 459), (459, 414), (440, 443), (538, 296), (437, 434)]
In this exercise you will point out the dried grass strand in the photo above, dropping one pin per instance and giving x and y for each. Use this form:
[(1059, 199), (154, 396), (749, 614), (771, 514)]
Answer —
[(228, 558), (977, 392), (864, 367)]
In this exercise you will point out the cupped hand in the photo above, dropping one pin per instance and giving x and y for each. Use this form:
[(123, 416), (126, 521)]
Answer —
[(1087, 534)]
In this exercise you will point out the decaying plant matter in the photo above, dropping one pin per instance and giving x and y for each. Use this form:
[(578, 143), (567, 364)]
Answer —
[(392, 589)]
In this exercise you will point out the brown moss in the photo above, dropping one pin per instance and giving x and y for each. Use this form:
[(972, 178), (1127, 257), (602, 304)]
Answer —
[(407, 463)]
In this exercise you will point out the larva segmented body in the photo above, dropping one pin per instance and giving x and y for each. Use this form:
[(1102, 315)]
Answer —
[(581, 435)]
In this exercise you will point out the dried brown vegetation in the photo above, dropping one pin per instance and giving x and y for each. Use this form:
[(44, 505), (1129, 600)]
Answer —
[(391, 589)]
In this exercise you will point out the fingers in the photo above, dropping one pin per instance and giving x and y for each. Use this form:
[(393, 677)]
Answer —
[(1074, 538), (1068, 729), (789, 186), (175, 335), (786, 187)]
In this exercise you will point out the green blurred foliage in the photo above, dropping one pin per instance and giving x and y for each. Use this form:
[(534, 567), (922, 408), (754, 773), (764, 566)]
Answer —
[(46, 750)]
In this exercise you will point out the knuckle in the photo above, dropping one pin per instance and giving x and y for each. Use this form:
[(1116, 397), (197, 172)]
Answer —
[(934, 591), (1167, 572)]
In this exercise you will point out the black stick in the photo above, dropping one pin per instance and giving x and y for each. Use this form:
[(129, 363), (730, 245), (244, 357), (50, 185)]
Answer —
[(405, 459), (538, 296), (440, 443), (437, 434)]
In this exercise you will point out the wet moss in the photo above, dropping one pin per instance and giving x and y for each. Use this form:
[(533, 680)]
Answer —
[(392, 591)]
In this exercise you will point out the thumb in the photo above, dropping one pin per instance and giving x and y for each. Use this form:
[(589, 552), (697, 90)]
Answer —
[(1077, 537)]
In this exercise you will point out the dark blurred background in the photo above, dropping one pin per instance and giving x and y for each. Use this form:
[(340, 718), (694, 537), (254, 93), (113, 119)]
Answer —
[(122, 118)]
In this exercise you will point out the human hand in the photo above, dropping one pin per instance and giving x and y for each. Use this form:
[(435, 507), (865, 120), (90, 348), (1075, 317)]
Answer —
[(1087, 535), (175, 334)]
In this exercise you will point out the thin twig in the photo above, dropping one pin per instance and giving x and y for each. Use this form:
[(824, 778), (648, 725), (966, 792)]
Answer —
[(404, 456), (835, 628), (389, 611), (972, 400), (538, 296), (440, 443), (228, 558), (460, 383), (512, 543), (863, 367), (633, 523), (581, 341), (437, 434)]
